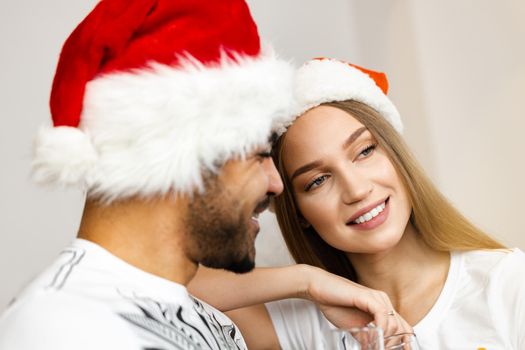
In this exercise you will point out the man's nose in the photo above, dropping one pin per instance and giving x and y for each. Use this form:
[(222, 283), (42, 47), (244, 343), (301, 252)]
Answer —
[(275, 183)]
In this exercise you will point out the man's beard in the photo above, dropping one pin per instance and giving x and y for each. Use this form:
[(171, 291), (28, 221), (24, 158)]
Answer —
[(218, 230)]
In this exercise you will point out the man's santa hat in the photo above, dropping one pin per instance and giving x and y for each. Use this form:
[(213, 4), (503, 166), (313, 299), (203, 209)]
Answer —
[(324, 80), (149, 93)]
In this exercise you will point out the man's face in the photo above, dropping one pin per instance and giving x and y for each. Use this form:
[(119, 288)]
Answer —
[(223, 221)]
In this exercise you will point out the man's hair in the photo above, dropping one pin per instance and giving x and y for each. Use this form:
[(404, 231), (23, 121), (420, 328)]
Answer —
[(439, 224)]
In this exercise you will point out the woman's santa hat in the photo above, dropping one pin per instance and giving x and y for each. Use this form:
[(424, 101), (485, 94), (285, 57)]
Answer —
[(324, 80), (149, 93)]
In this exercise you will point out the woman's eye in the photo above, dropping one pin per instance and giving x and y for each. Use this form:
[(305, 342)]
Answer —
[(367, 150), (316, 182)]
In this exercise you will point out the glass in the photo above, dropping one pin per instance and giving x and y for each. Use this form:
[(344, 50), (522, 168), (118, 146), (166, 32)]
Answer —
[(371, 338), (365, 338), (402, 341)]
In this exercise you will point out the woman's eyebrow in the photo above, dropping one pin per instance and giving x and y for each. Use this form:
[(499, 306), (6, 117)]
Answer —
[(317, 163), (353, 137), (305, 168)]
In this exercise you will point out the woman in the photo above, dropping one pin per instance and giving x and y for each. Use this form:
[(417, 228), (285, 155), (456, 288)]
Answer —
[(357, 204)]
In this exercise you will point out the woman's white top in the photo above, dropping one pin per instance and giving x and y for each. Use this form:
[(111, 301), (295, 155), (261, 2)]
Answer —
[(482, 305)]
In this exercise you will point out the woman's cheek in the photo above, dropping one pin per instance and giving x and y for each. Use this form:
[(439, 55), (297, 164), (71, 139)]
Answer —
[(319, 212)]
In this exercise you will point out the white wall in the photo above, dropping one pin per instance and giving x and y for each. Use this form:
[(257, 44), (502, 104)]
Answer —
[(457, 75), (474, 87), (34, 222)]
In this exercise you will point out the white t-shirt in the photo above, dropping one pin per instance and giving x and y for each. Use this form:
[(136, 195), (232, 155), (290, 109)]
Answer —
[(90, 299), (482, 305)]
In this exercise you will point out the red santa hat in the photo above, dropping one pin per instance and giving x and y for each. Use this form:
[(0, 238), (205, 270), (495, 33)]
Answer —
[(149, 93), (328, 80)]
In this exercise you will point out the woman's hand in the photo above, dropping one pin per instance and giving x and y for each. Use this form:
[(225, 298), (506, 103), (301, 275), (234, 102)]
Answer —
[(348, 304)]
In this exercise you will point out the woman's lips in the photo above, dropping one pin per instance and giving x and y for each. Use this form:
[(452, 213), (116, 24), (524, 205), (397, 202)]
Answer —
[(366, 220)]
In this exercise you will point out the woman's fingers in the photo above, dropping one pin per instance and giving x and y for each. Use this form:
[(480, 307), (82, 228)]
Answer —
[(388, 319), (336, 294)]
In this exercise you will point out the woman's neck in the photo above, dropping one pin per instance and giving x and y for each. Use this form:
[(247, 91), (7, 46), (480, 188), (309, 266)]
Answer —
[(411, 273)]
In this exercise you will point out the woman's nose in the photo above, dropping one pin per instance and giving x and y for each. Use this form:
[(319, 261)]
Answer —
[(355, 187)]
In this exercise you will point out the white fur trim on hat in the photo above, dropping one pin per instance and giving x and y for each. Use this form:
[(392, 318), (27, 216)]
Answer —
[(62, 155), (149, 131), (329, 80)]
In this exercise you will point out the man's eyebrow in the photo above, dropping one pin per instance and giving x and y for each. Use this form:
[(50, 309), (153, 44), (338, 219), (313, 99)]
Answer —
[(273, 137), (317, 163), (264, 153), (353, 137)]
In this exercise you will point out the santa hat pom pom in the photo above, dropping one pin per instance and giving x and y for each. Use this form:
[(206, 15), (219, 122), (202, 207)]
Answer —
[(62, 155)]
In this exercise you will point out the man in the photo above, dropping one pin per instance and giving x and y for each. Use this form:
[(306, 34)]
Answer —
[(163, 112)]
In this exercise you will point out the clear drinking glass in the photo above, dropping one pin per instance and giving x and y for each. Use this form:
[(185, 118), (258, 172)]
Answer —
[(360, 338), (371, 338), (401, 341)]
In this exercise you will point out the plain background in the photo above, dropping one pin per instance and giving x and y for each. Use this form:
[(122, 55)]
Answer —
[(456, 71)]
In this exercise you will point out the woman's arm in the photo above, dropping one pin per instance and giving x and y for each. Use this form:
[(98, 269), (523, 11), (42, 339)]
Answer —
[(233, 291), (343, 302)]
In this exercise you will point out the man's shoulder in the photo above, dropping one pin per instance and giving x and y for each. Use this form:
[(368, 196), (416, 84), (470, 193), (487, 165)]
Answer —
[(60, 321), (40, 301)]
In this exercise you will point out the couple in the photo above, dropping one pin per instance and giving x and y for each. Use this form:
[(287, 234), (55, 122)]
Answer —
[(164, 111)]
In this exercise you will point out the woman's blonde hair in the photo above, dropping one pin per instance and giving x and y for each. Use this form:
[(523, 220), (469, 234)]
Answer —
[(440, 225)]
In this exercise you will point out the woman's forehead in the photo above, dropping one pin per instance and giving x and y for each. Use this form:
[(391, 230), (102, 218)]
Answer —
[(322, 123), (317, 133)]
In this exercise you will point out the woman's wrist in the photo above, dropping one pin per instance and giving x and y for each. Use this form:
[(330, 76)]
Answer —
[(308, 276)]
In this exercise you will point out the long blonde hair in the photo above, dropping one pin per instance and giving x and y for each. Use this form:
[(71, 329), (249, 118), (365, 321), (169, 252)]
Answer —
[(439, 224)]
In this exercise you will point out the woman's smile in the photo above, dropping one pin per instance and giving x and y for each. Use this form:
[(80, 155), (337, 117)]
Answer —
[(368, 219)]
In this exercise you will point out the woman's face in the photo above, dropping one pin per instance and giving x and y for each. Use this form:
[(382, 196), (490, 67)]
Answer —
[(344, 184)]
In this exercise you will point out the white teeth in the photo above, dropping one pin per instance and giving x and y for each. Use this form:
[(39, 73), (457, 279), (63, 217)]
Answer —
[(371, 214)]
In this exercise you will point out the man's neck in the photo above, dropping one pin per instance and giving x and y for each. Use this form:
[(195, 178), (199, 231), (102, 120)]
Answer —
[(148, 234)]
